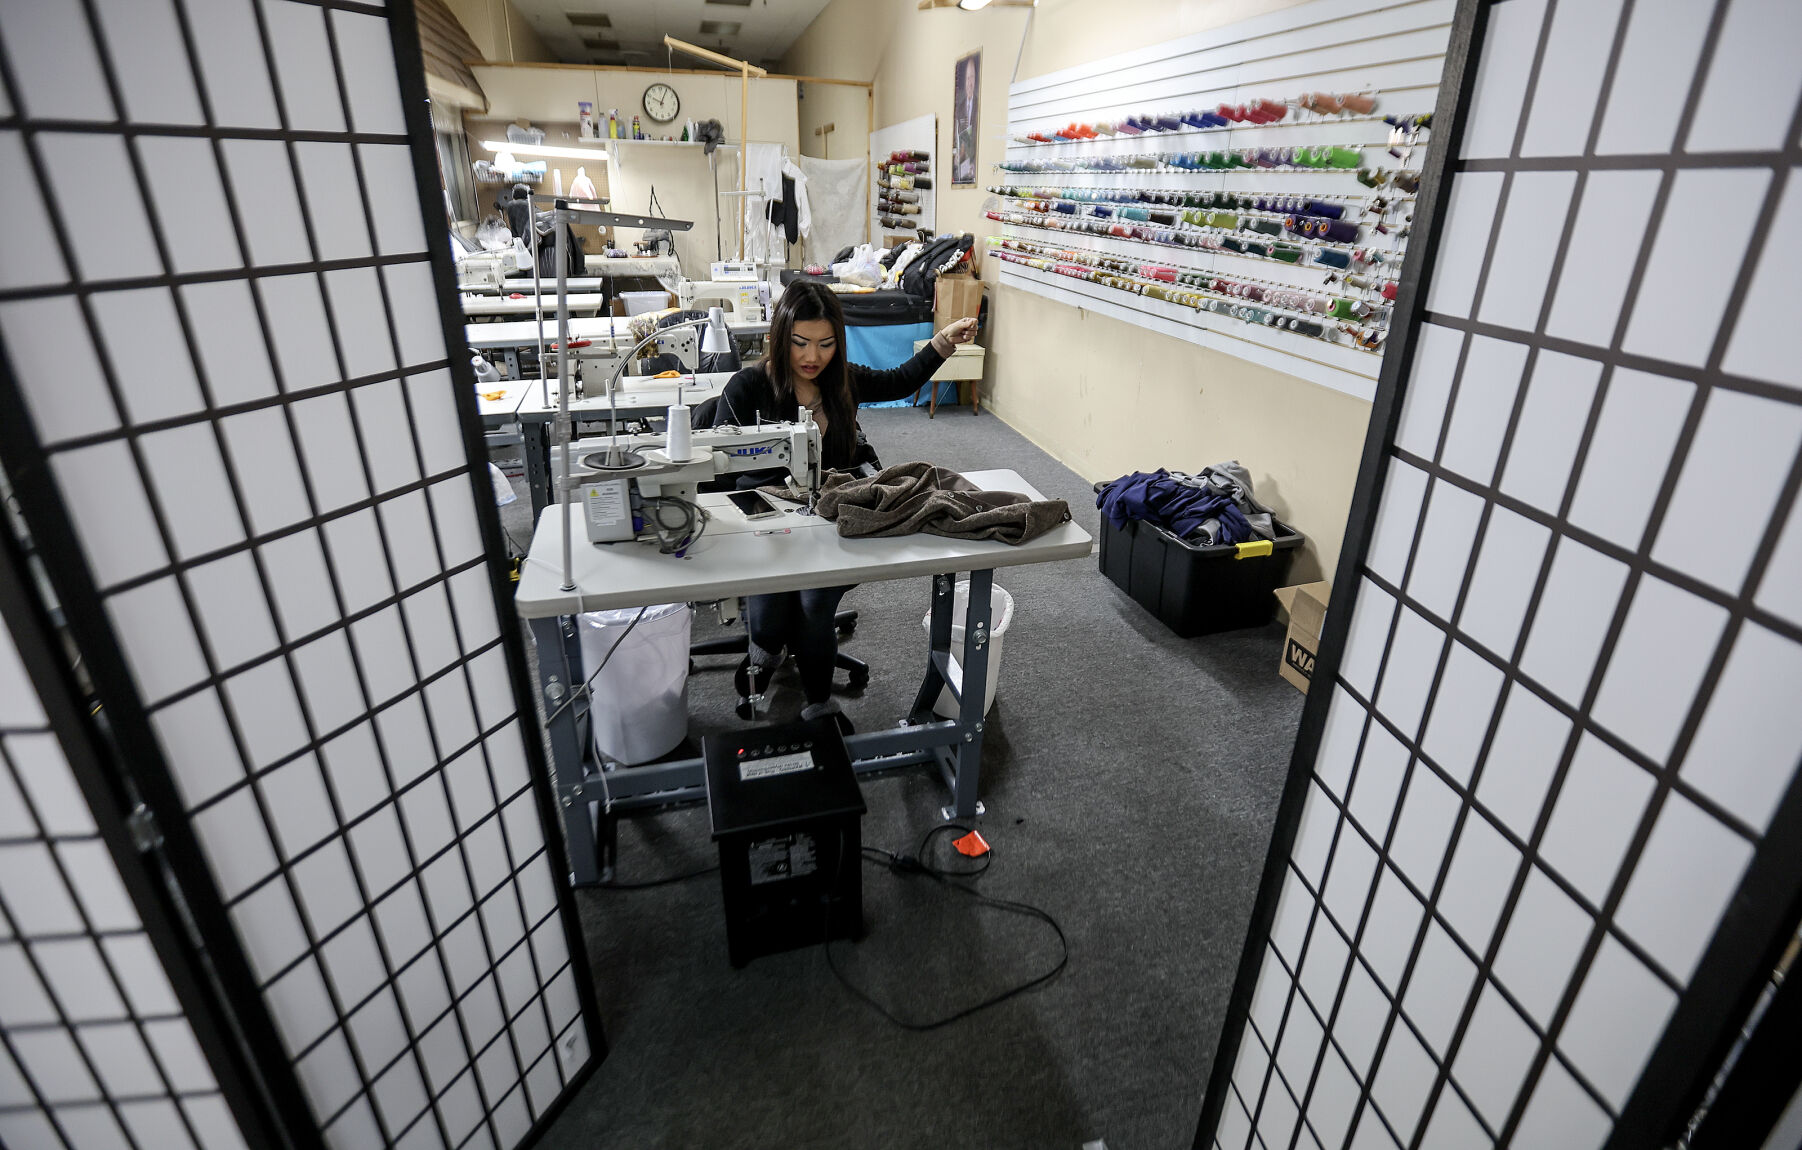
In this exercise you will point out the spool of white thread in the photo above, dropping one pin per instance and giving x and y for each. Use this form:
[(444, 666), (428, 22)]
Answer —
[(678, 446)]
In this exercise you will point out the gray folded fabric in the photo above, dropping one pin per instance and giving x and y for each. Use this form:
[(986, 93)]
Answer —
[(923, 497), (1232, 479)]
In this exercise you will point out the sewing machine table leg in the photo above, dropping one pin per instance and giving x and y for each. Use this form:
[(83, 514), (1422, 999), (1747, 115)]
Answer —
[(559, 663), (975, 663), (943, 595), (535, 446)]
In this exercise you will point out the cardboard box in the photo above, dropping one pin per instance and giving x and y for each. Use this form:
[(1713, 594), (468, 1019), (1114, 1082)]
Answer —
[(1306, 605), (957, 296)]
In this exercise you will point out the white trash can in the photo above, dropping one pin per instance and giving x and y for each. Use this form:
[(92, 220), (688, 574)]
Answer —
[(1001, 616), (639, 702)]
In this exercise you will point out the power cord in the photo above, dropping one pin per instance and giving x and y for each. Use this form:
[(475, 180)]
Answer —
[(916, 864), (589, 682), (647, 884), (674, 539)]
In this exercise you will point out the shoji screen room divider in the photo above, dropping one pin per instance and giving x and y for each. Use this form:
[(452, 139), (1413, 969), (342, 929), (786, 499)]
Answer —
[(249, 488), (1540, 844)]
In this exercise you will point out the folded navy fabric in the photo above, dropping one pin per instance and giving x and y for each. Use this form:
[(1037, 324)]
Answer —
[(1180, 506)]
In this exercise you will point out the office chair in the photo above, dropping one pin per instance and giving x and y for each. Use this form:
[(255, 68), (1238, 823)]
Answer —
[(845, 622)]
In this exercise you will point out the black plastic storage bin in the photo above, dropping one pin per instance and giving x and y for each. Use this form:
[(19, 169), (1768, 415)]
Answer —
[(1197, 590)]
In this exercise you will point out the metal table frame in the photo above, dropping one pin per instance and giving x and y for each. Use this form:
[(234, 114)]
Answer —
[(596, 794)]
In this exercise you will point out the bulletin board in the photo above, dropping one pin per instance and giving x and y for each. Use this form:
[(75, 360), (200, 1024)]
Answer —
[(920, 136), (1248, 189)]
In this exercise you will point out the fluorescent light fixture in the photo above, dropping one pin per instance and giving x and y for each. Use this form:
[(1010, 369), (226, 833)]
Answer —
[(498, 146), (720, 27), (589, 19), (972, 5)]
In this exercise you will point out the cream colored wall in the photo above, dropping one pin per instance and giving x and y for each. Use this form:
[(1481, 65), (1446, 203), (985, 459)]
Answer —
[(1104, 396), (910, 55), (1107, 398), (1069, 32), (684, 189), (845, 41), (847, 109), (549, 96), (499, 31)]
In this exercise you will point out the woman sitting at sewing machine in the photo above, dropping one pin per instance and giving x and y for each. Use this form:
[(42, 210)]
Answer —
[(804, 368)]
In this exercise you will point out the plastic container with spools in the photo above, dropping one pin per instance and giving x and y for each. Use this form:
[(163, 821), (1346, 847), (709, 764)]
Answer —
[(1001, 617), (638, 707)]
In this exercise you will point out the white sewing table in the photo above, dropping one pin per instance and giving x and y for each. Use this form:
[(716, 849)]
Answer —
[(735, 556), (583, 303), (548, 287)]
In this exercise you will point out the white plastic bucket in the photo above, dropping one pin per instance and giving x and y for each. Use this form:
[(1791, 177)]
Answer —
[(1001, 617), (639, 302), (639, 702)]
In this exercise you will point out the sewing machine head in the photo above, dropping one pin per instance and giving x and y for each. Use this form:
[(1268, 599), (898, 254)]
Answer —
[(481, 269), (746, 300), (614, 479)]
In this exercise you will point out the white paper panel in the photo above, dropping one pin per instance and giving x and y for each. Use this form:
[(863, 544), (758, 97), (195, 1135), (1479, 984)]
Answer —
[(290, 462), (80, 1012), (1596, 510)]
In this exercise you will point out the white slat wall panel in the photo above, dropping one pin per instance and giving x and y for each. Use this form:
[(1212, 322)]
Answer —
[(1392, 50)]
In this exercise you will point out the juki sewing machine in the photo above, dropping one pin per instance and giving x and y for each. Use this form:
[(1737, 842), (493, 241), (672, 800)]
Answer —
[(628, 483), (748, 300)]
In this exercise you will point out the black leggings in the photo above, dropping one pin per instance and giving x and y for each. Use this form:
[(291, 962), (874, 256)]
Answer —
[(802, 623)]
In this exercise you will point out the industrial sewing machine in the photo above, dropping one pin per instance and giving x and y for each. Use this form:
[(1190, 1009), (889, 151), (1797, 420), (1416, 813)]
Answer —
[(483, 269), (628, 485), (748, 300)]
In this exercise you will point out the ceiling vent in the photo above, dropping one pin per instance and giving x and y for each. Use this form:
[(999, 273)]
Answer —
[(589, 19), (720, 27)]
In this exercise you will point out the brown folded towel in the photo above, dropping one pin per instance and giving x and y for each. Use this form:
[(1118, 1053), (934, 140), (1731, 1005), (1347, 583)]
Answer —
[(915, 497)]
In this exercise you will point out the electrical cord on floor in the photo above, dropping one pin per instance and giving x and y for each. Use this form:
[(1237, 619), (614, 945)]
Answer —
[(916, 864), (656, 882)]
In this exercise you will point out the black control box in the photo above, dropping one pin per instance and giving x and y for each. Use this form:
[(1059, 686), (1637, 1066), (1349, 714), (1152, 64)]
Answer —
[(787, 814)]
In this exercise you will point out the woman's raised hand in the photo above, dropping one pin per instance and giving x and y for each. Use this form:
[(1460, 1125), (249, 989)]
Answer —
[(956, 332)]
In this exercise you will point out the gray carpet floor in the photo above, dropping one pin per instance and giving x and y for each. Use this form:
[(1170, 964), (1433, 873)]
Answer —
[(1130, 779)]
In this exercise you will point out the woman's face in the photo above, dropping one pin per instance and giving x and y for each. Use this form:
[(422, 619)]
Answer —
[(811, 348)]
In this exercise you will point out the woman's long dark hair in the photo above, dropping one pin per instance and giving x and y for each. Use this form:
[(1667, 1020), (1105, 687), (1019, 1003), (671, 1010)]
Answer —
[(803, 301)]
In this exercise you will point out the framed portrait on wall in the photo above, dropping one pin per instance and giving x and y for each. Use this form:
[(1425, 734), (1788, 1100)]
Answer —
[(966, 86)]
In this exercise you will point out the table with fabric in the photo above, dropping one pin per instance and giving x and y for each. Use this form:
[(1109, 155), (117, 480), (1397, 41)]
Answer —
[(736, 556)]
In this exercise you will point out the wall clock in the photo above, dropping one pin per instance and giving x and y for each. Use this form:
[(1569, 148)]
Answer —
[(661, 103)]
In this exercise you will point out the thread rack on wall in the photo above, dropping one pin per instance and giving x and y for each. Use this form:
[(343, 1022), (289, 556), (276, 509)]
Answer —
[(901, 185), (1248, 189)]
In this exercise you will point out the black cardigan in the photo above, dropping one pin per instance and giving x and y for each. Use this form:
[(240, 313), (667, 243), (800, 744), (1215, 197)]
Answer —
[(749, 395)]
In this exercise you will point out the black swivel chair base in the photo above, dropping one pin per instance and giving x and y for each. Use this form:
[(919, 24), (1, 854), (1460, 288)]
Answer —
[(739, 644)]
